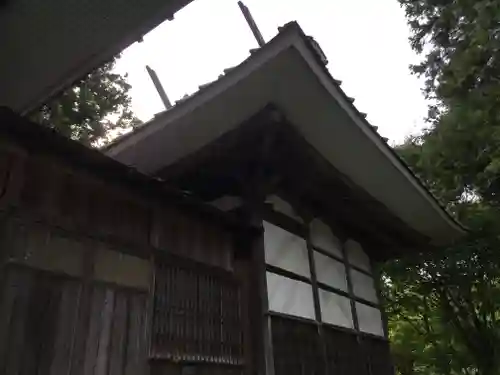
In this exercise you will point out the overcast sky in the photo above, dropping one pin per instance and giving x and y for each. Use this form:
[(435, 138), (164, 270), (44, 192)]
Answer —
[(366, 42)]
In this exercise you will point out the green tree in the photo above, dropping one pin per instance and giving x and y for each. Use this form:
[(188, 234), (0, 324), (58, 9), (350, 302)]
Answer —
[(444, 305), (94, 110), (460, 44)]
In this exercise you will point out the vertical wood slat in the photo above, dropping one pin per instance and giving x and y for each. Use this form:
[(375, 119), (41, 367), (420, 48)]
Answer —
[(118, 335), (14, 350), (345, 355), (67, 320), (135, 353), (42, 323), (378, 356), (102, 360), (38, 313), (9, 295), (92, 339), (295, 347)]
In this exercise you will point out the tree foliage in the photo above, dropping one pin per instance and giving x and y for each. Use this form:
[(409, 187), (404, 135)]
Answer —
[(94, 110), (460, 42), (444, 306)]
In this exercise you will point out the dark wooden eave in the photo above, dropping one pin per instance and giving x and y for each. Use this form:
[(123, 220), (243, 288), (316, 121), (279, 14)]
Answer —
[(268, 143)]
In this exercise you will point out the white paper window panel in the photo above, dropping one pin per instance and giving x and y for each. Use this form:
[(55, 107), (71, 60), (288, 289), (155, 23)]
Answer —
[(363, 286), (369, 319), (323, 238), (282, 206), (289, 296), (335, 309), (285, 250), (330, 271), (356, 255)]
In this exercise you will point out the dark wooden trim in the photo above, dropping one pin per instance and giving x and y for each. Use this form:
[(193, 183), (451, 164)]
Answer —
[(264, 321), (137, 250), (328, 254), (118, 287), (339, 259), (352, 297), (142, 251), (17, 264), (312, 270), (332, 289), (342, 293), (287, 274), (372, 336), (283, 221), (350, 331), (377, 281), (317, 304), (271, 313), (150, 306), (360, 270)]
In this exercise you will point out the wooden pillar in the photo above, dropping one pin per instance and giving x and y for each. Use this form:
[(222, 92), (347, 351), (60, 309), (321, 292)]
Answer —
[(256, 333)]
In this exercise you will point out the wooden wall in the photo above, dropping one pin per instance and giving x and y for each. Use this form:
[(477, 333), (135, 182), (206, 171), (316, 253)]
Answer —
[(45, 188), (47, 329), (77, 255)]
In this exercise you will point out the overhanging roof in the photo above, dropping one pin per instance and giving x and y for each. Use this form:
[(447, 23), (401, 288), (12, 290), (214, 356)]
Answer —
[(46, 46), (289, 73)]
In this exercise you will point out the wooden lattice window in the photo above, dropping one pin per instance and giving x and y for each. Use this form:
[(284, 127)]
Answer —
[(196, 314), (296, 347)]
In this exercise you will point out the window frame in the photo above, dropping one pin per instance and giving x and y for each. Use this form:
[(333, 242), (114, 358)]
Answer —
[(303, 230)]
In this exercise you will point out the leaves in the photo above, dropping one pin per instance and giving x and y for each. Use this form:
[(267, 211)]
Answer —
[(446, 303), (94, 110)]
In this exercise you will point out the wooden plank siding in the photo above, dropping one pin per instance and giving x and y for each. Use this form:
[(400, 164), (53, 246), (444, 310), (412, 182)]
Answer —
[(76, 274), (42, 310), (296, 349)]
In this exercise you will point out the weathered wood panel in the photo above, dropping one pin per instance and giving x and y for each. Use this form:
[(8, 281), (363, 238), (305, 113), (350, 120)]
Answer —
[(116, 340), (344, 354), (297, 350), (122, 269), (39, 247), (296, 347), (37, 313), (65, 331), (379, 356), (192, 237), (72, 204)]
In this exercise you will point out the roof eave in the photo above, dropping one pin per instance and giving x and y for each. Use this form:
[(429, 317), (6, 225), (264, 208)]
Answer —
[(292, 36)]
